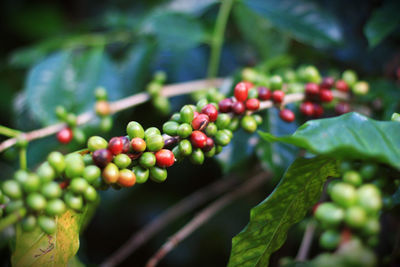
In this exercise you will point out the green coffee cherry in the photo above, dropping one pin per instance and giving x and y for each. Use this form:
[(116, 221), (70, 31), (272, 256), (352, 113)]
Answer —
[(96, 142), (249, 124), (154, 88), (162, 104), (344, 194), (32, 183), (78, 185), (71, 120), (90, 194), (106, 123), (28, 223), (368, 171), (211, 128), (218, 149), (21, 176), (154, 142), (36, 201), (56, 160), (329, 214), (55, 207), (185, 147), (142, 174), (12, 189), (47, 224), (311, 74), (177, 153), (275, 82), (100, 93), (186, 114), (79, 136), (46, 173), (360, 88), (210, 153), (61, 113), (87, 159), (91, 173), (345, 166), (122, 161), (13, 206), (223, 121), (372, 227), (197, 157), (151, 131), (134, 129), (158, 174), (395, 117), (257, 118), (74, 202), (369, 198), (330, 239), (234, 125), (201, 103), (222, 138), (176, 117), (147, 160), (170, 128), (350, 77), (352, 177), (253, 93), (355, 217), (184, 130), (51, 190), (74, 165)]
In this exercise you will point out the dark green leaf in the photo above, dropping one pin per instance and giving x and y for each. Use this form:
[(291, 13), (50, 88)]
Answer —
[(351, 136), (383, 21), (304, 20), (270, 221)]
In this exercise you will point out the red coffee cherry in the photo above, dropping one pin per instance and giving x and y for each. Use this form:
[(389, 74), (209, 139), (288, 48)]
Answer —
[(264, 93), (278, 96), (327, 83), (287, 115), (238, 108), (115, 145), (138, 144), (126, 144), (249, 85), (307, 108), (225, 105), (102, 157), (241, 91), (253, 104), (325, 95), (211, 111), (312, 89), (342, 108), (200, 122), (209, 144), (65, 135), (195, 114), (198, 139), (165, 158), (342, 86), (318, 110)]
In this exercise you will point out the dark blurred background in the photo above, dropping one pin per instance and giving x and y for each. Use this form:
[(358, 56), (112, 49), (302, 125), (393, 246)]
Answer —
[(57, 52)]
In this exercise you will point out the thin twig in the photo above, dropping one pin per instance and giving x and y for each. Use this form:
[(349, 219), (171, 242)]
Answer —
[(119, 105), (306, 242), (187, 204), (205, 215)]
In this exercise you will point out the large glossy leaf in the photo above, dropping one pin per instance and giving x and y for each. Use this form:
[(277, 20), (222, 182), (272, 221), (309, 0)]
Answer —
[(383, 21), (270, 221), (302, 19), (351, 136), (39, 249)]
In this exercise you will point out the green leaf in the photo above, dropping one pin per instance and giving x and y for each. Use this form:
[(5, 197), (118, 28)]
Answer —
[(383, 21), (350, 136), (270, 221), (304, 20), (39, 249)]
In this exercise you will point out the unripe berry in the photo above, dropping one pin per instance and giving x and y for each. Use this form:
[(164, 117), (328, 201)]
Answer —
[(73, 201), (154, 142), (55, 207), (355, 217), (287, 115), (249, 124), (200, 122), (65, 135), (352, 177), (115, 145), (147, 160), (360, 88), (74, 165), (28, 223), (329, 214), (165, 158), (170, 128), (198, 139), (252, 104), (110, 173), (225, 105), (96, 142), (241, 91), (222, 122), (36, 201), (238, 108), (222, 138), (90, 194), (100, 93), (138, 144), (32, 183), (185, 147), (325, 95), (197, 157), (46, 173), (200, 104), (102, 157), (134, 129), (102, 108), (184, 130), (307, 108), (47, 224), (142, 174), (343, 194), (264, 93), (342, 86), (212, 128), (278, 96), (78, 185), (51, 190), (312, 89), (342, 108), (275, 82), (158, 174), (329, 239), (350, 77), (127, 178), (211, 111), (253, 93)]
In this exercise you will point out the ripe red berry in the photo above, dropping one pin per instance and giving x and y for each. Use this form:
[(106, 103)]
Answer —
[(249, 85), (318, 110), (65, 135), (200, 122), (126, 144), (307, 108), (253, 104), (211, 111), (264, 93), (102, 157), (325, 95), (342, 108), (115, 145), (341, 85), (312, 89), (241, 91), (278, 96), (209, 144), (225, 105), (195, 114), (198, 139), (287, 115), (165, 158), (138, 144), (238, 108), (327, 83)]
